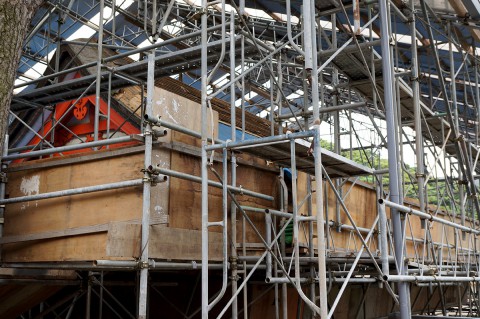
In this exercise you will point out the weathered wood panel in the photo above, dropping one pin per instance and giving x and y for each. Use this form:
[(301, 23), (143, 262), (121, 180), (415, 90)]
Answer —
[(70, 212), (165, 242)]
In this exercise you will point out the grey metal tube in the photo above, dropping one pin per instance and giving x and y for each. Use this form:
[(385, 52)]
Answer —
[(98, 83), (89, 296), (132, 265), (143, 285), (118, 56), (289, 29), (39, 25), (258, 42), (307, 33), (325, 110), (283, 280), (349, 49), (204, 174), (257, 264), (224, 226), (349, 275), (233, 159), (405, 278), (223, 41), (73, 191), (453, 86), (311, 246), (322, 269), (296, 252), (266, 211), (336, 127), (237, 190), (261, 140), (288, 215), (382, 225), (419, 151), (339, 50), (415, 212), (61, 149), (306, 260), (268, 239), (255, 66), (182, 129), (403, 288)]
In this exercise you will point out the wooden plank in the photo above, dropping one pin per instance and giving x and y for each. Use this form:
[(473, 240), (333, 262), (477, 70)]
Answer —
[(187, 196), (59, 214), (160, 194), (74, 159), (55, 234), (184, 112), (124, 240), (165, 242), (99, 228)]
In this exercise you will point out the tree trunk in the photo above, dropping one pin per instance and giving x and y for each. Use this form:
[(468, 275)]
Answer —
[(15, 16)]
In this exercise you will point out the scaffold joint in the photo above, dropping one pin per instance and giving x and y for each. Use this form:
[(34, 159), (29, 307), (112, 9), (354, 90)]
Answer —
[(143, 265)]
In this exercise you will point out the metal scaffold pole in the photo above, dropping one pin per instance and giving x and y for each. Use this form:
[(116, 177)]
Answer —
[(144, 265), (233, 167), (390, 110), (320, 219), (419, 150), (204, 159), (99, 72)]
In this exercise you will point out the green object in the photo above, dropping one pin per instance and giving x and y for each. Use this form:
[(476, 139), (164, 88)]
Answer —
[(289, 234)]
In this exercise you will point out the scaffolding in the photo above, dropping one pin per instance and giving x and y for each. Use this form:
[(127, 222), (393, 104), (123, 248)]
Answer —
[(404, 72)]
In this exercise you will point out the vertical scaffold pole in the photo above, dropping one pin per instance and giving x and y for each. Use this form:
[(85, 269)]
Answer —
[(99, 71), (403, 288), (233, 207), (453, 89), (143, 291), (322, 269), (204, 167), (419, 151)]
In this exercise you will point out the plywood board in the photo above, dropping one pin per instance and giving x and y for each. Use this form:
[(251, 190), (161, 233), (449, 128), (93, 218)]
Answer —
[(70, 212), (186, 212), (184, 112), (165, 242), (160, 194)]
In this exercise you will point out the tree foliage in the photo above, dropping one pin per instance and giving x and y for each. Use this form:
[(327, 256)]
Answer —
[(441, 193)]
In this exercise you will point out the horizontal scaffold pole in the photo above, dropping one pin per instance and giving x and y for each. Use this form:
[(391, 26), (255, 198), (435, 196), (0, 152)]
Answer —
[(261, 141), (60, 149), (73, 191), (427, 216)]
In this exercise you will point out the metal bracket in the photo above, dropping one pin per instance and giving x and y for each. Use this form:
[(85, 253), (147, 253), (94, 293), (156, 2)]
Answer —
[(152, 120), (143, 265), (138, 137), (462, 182)]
